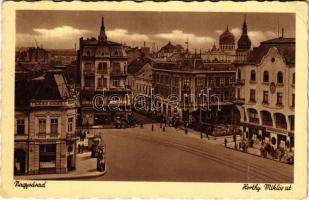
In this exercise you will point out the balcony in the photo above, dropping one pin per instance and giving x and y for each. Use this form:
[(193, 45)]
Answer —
[(65, 102), (89, 73), (240, 82), (117, 74)]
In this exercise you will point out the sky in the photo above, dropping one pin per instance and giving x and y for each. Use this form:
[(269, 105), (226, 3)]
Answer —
[(62, 29)]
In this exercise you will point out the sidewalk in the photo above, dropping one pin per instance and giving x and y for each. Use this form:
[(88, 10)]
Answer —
[(85, 168), (251, 150)]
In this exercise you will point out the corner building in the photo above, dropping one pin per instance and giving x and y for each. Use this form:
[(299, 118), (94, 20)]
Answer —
[(265, 93), (44, 136), (103, 70)]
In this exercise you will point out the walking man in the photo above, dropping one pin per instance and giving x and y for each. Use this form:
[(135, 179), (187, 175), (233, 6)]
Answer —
[(152, 127), (225, 142)]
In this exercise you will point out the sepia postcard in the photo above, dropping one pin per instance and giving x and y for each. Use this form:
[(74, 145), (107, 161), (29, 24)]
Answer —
[(154, 99)]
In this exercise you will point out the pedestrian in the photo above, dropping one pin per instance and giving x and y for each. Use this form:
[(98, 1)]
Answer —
[(186, 131), (201, 135), (239, 145), (142, 125), (164, 129), (160, 124), (225, 142), (152, 127), (83, 148)]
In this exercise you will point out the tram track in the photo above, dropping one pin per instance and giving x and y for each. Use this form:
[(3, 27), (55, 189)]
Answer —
[(257, 171)]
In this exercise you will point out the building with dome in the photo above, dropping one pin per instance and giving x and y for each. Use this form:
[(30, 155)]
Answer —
[(103, 71), (226, 52)]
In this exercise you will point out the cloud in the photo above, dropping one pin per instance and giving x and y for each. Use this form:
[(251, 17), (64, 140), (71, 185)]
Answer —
[(179, 36), (61, 32), (57, 37), (259, 36), (219, 32), (123, 35)]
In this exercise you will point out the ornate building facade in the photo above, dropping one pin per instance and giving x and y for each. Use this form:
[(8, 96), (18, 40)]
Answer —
[(45, 115), (103, 74), (266, 91)]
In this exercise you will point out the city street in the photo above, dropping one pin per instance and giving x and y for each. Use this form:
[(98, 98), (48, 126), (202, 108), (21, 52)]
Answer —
[(138, 154)]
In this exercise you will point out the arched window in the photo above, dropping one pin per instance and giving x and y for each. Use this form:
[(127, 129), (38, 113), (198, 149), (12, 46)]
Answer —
[(293, 79), (265, 77), (252, 77), (280, 77)]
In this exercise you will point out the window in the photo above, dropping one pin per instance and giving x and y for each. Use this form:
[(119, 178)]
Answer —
[(212, 83), (88, 67), (231, 81), (293, 100), (116, 67), (265, 97), (102, 68), (265, 77), (116, 83), (252, 95), (279, 98), (293, 79), (252, 77), (54, 126), (42, 125), (186, 82), (280, 78), (222, 81), (70, 124), (20, 127), (200, 82)]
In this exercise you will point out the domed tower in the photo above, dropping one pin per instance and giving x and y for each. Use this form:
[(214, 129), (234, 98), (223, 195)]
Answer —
[(227, 40), (243, 45)]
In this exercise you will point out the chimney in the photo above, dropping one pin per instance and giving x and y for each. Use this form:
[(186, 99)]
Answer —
[(282, 32)]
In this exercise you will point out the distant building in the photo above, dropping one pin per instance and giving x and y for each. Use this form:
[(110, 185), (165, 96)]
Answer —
[(226, 51), (266, 91), (44, 134), (63, 56), (35, 55), (140, 82), (103, 71), (136, 52), (169, 50)]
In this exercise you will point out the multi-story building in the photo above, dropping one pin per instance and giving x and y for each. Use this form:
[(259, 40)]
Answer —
[(45, 115), (103, 73), (140, 82), (178, 87), (265, 92)]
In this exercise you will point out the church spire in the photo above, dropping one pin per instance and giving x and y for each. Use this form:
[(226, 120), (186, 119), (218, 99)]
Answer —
[(244, 26), (102, 36)]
